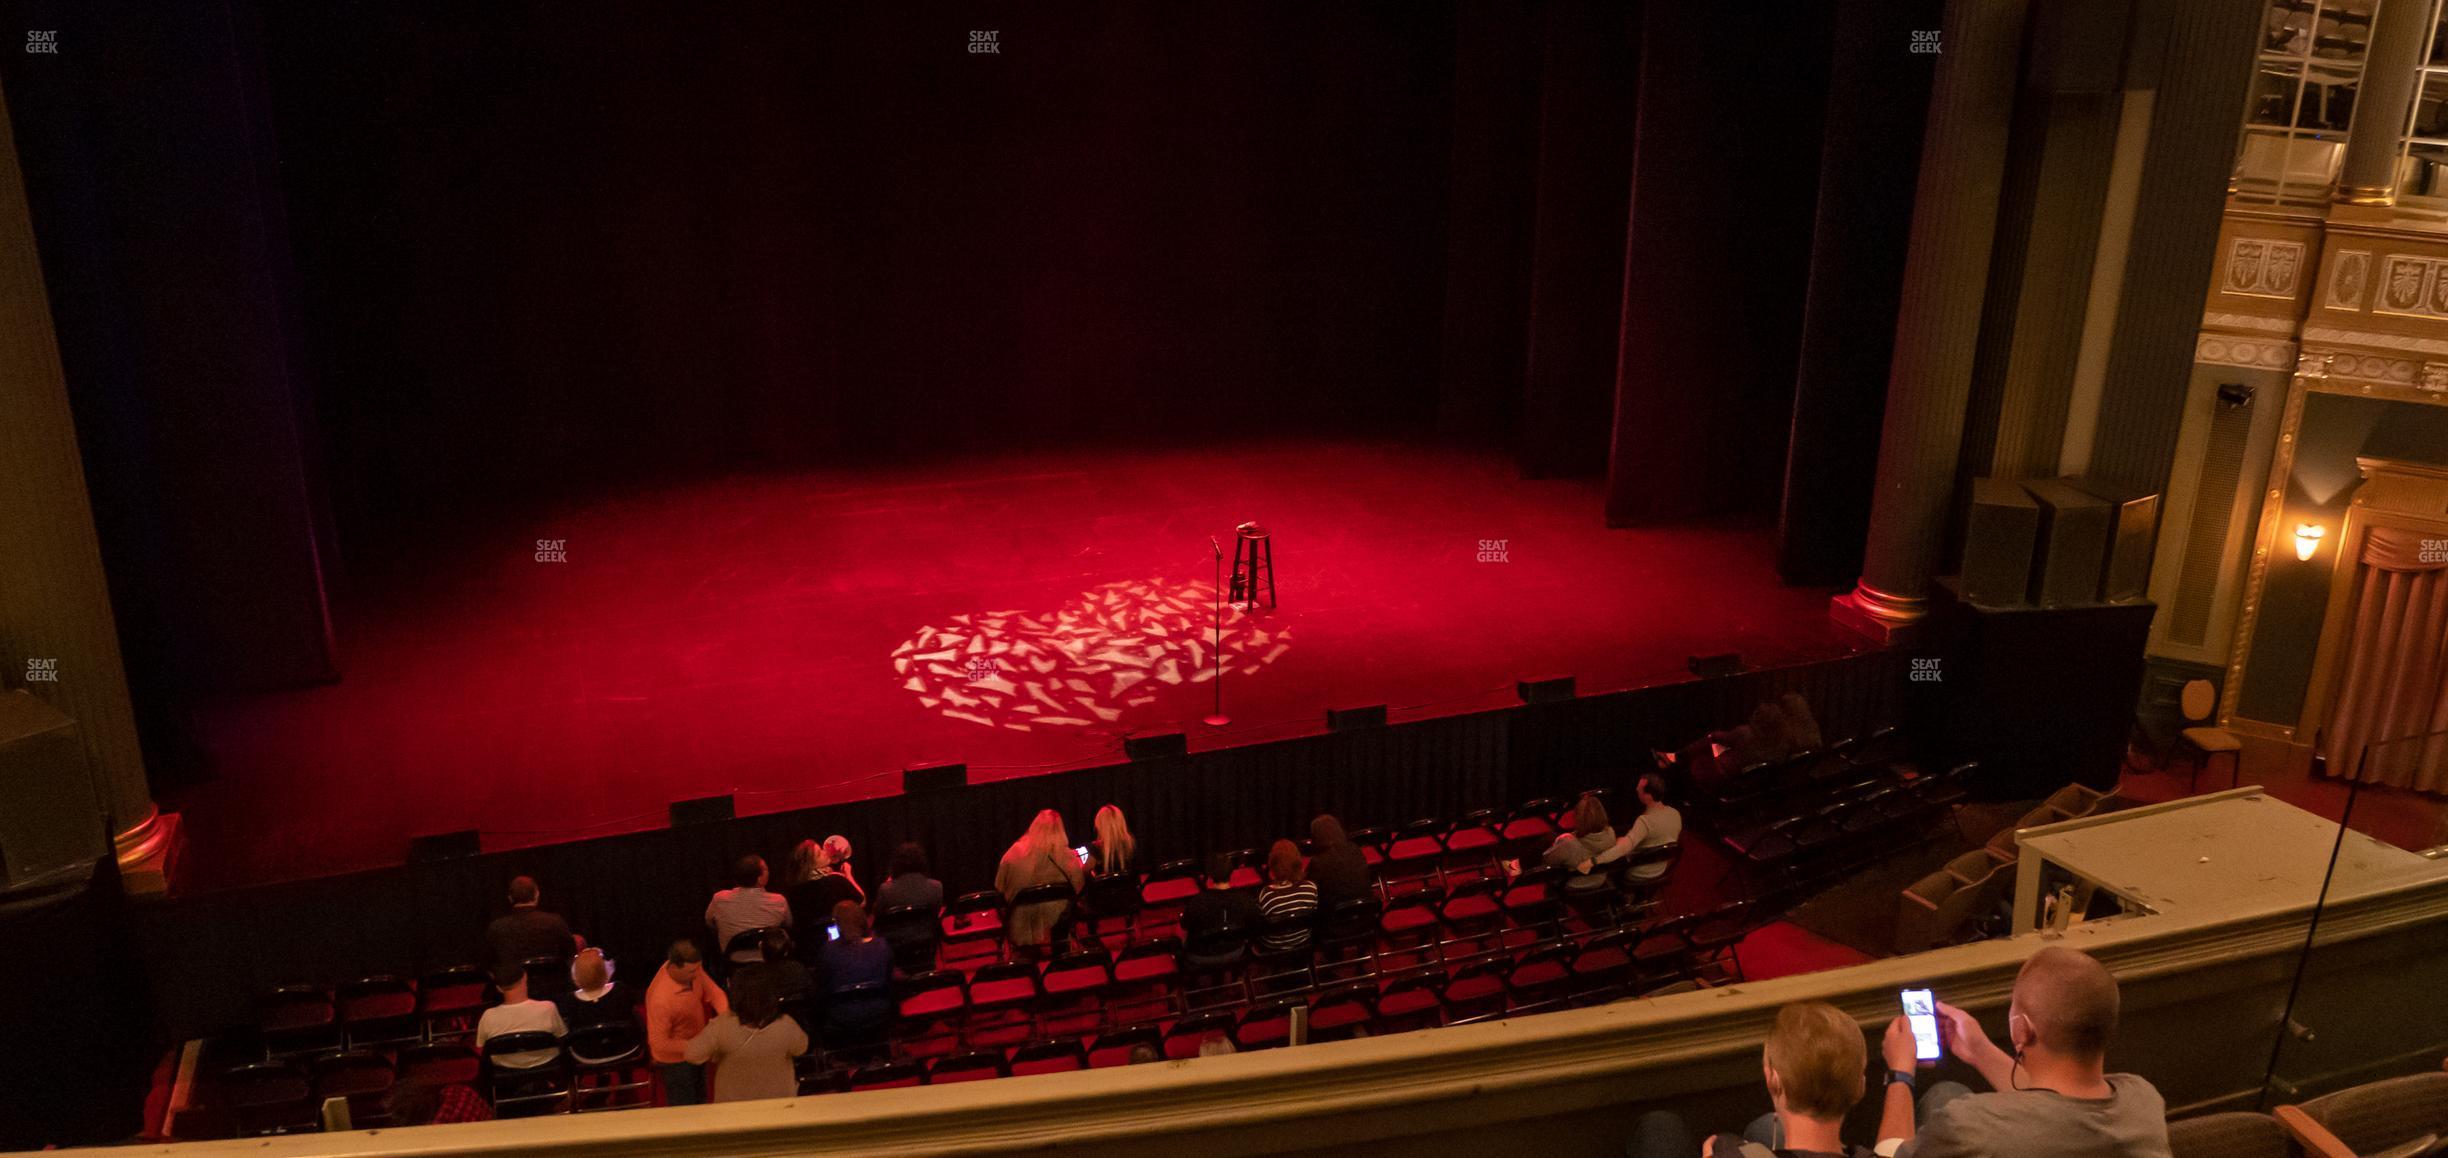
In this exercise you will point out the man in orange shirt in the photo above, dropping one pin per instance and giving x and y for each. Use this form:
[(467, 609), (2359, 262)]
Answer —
[(679, 1002)]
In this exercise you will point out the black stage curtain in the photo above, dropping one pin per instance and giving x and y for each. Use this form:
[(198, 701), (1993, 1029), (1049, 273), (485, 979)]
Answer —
[(546, 256), (209, 956), (150, 175), (1716, 259)]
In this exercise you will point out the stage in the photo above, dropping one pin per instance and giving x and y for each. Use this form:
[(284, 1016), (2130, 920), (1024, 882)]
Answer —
[(798, 639)]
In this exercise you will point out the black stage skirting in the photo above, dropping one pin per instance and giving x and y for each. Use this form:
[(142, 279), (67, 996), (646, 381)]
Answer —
[(209, 957)]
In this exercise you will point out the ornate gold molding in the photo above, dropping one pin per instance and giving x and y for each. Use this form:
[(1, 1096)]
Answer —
[(2248, 352)]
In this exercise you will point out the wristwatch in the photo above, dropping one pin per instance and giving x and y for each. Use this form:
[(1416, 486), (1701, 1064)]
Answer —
[(1903, 1078)]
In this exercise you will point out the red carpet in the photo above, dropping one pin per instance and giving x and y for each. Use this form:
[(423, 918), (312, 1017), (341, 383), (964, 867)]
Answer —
[(743, 636)]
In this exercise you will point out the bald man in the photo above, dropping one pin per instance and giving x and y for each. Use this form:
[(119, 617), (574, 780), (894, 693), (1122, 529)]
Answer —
[(2054, 1099)]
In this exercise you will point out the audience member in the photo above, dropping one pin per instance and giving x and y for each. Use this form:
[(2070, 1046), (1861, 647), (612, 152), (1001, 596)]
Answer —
[(1289, 894), (780, 971), (744, 906), (1142, 1054), (1800, 725), (679, 1003), (1110, 853), (1336, 865), (819, 879), (1591, 834), (1659, 823), (1042, 856), (1777, 729), (1812, 1064), (909, 883), (1217, 1045), (518, 1013), (858, 957), (2053, 1095), (856, 973), (1213, 909), (751, 1047), (425, 1103), (594, 998), (527, 932)]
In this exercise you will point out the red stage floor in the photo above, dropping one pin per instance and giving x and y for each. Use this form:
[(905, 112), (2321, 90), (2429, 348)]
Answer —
[(743, 636)]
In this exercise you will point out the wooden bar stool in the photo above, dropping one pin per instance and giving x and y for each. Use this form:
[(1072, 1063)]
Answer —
[(1253, 566)]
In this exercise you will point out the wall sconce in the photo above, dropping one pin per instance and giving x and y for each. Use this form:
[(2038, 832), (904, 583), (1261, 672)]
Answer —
[(2307, 539)]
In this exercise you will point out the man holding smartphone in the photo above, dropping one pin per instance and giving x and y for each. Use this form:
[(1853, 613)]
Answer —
[(2054, 1097)]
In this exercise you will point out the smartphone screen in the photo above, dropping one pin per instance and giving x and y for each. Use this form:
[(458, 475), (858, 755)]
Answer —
[(833, 933), (1081, 851), (1921, 1010)]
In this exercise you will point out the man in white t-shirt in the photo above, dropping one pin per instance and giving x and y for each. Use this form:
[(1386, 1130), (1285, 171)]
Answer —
[(519, 1013)]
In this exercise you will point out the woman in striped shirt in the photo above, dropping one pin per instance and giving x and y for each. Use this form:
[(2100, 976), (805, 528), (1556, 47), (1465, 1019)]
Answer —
[(1289, 894)]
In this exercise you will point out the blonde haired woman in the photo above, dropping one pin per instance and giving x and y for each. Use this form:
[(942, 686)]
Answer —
[(1042, 856), (1110, 853)]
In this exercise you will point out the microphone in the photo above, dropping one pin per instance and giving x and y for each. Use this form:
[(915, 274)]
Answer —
[(1219, 547)]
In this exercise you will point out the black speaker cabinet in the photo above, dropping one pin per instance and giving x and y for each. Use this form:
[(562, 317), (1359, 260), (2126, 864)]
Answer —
[(1354, 719), (703, 810), (1711, 667), (1998, 536), (2039, 696), (2073, 545), (1156, 747), (1555, 689), (444, 846), (2133, 520), (934, 777), (50, 814)]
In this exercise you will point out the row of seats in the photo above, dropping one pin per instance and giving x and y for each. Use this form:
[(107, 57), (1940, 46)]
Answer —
[(1753, 794), (1084, 1010), (1451, 932), (2404, 1115), (1091, 985), (301, 1020), (1125, 907), (1950, 904), (1853, 824)]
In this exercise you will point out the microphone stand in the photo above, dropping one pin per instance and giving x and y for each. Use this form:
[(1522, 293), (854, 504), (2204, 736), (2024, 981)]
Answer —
[(1216, 642)]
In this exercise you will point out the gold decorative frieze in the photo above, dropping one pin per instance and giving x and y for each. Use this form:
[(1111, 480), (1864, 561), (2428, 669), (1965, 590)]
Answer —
[(2262, 267), (2248, 323), (2410, 287), (2349, 277), (2249, 352), (2376, 340)]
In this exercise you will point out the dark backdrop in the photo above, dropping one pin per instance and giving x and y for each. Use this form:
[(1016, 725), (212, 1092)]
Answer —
[(544, 249)]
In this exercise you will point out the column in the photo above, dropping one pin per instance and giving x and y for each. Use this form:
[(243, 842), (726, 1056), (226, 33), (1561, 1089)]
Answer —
[(54, 602), (1955, 204), (2383, 102)]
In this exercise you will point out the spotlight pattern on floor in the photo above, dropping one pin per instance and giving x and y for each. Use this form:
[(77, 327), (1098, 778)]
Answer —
[(1115, 648)]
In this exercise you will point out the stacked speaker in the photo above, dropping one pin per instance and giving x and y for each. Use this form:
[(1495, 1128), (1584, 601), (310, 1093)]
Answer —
[(2036, 648), (2068, 542)]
